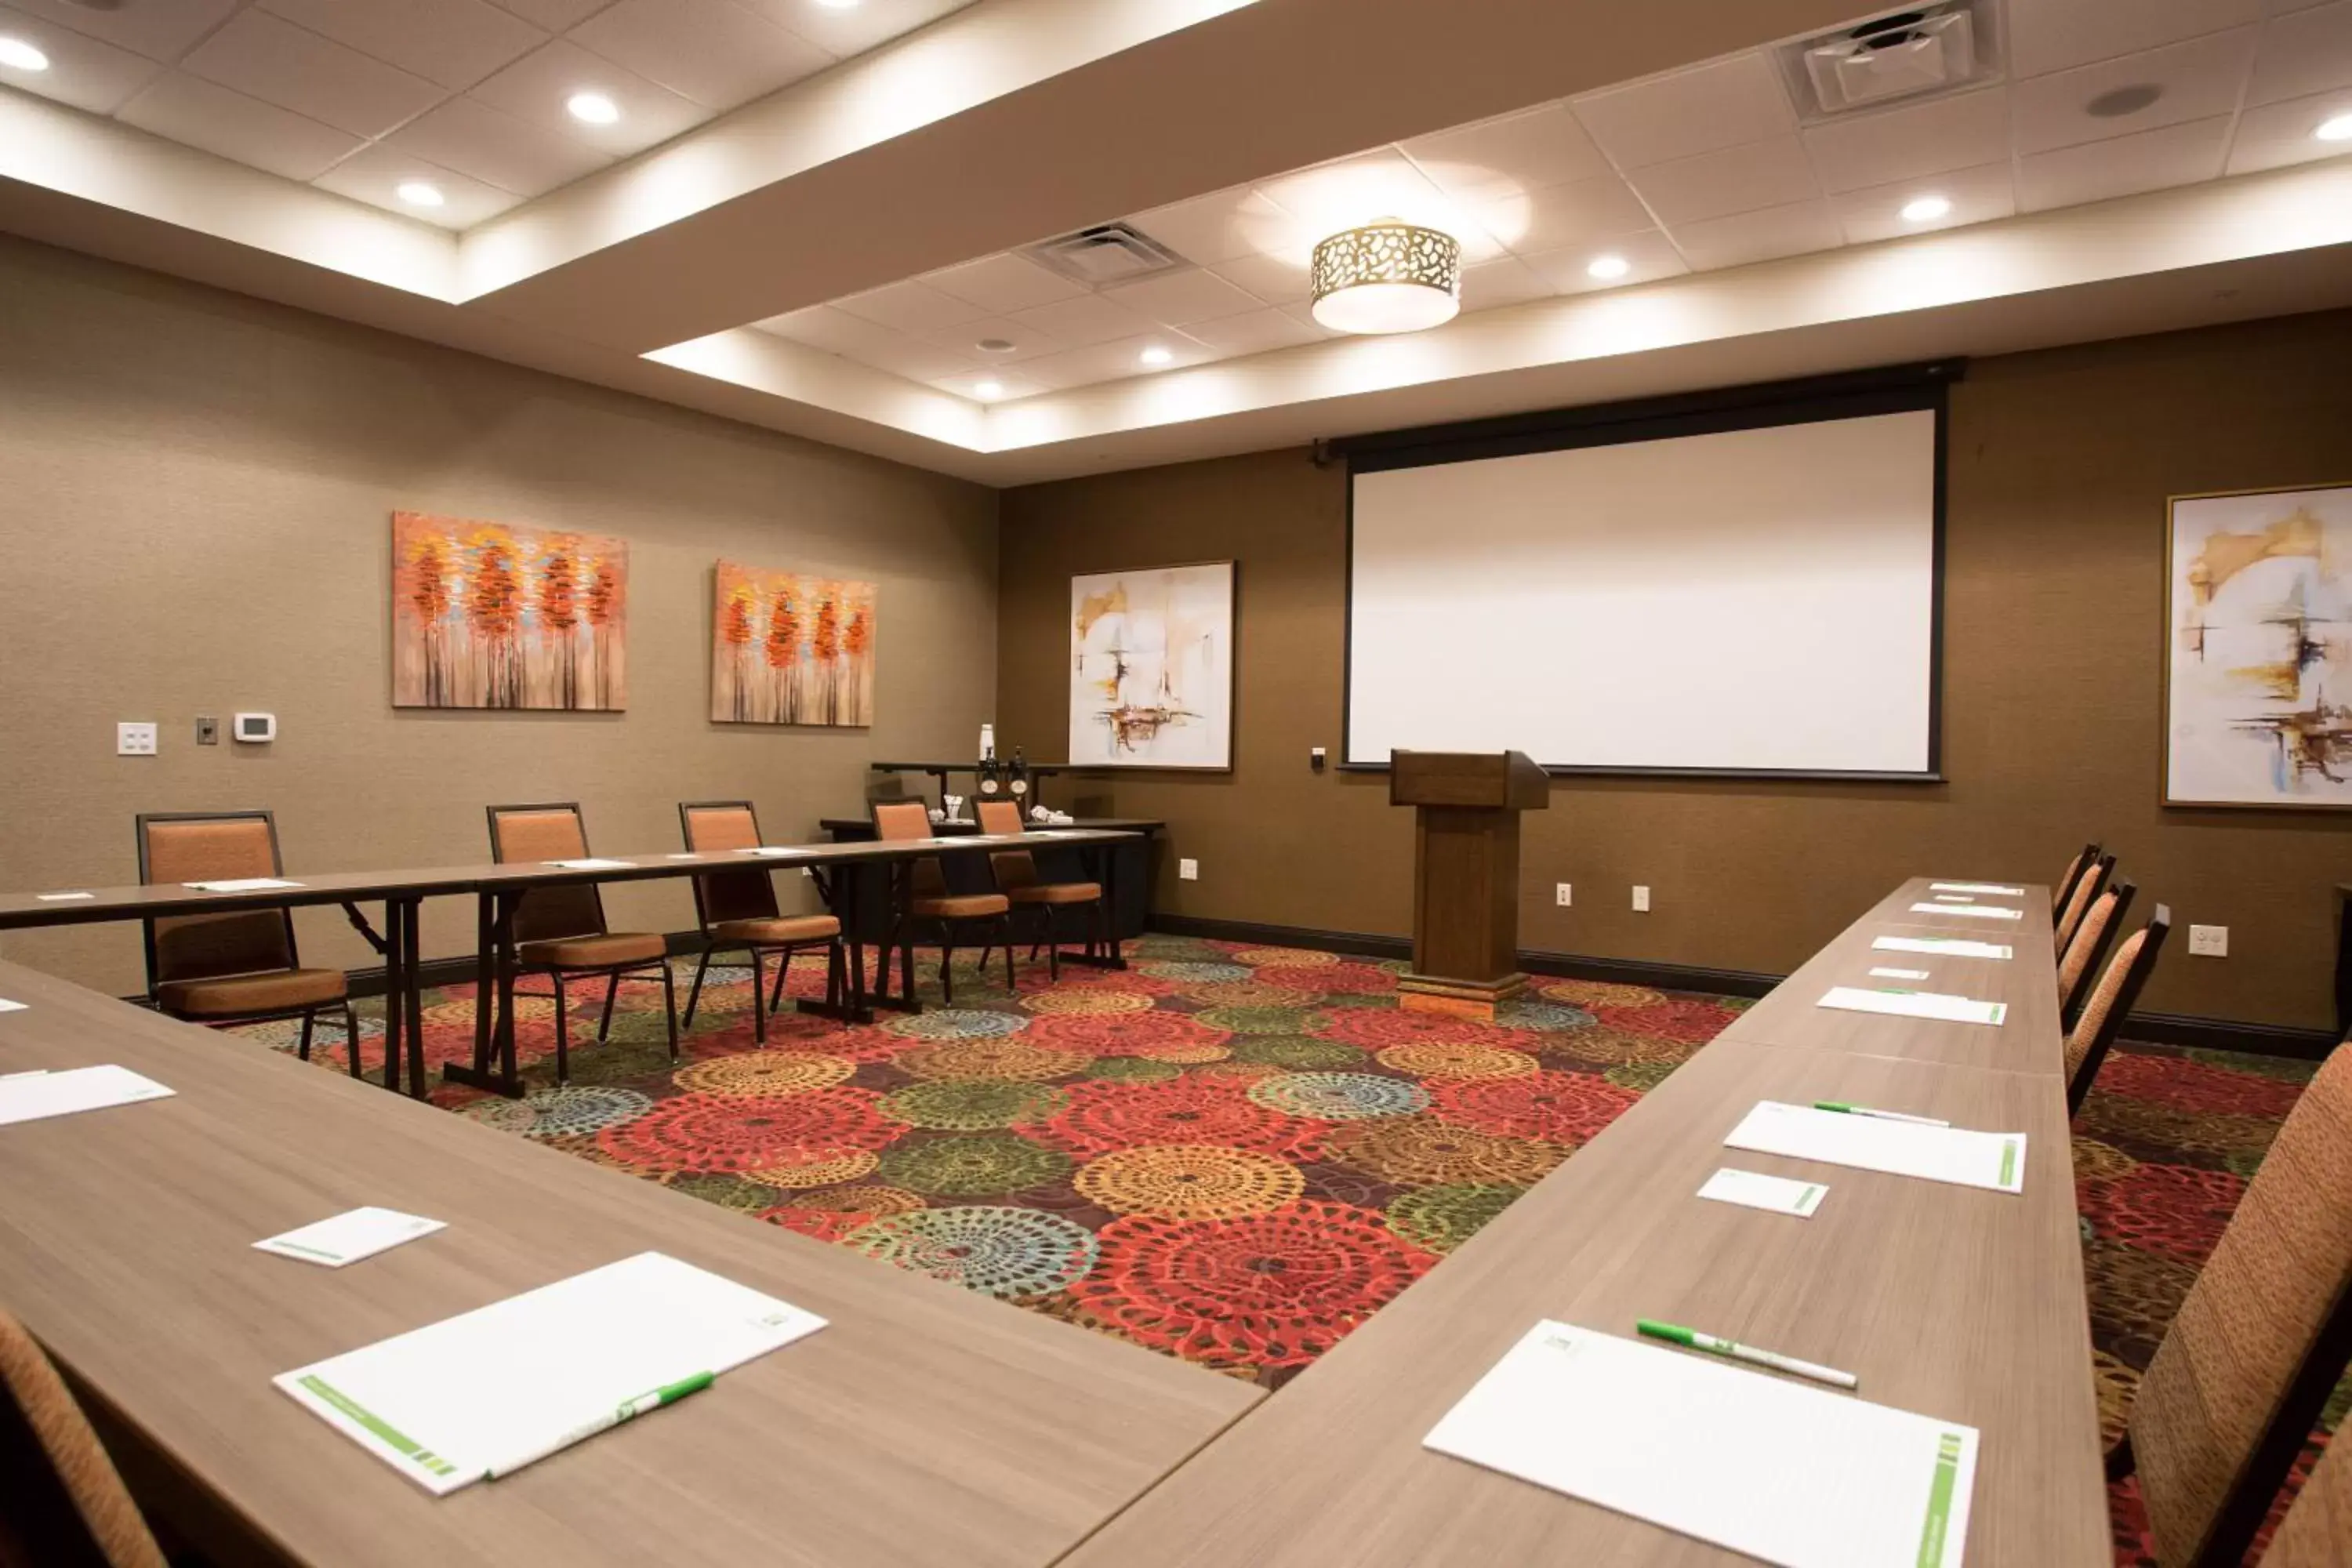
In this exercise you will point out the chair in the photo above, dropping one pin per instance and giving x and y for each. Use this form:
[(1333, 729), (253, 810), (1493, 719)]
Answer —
[(2087, 887), (2317, 1529), (2065, 887), (2103, 1013), (2234, 1392), (928, 899), (559, 931), (239, 967), (738, 909), (1017, 879), (2079, 962), (62, 1504)]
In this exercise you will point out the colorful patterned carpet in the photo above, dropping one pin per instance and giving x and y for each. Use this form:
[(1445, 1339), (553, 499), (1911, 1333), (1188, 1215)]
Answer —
[(1235, 1154)]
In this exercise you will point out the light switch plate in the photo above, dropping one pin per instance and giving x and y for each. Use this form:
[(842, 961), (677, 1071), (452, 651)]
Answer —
[(1641, 899), (207, 732), (2209, 941), (1188, 870), (1559, 894), (134, 739)]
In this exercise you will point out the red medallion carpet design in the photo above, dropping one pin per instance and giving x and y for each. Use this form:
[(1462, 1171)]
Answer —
[(1235, 1155)]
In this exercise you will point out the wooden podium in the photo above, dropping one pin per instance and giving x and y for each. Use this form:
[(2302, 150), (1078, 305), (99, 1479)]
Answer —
[(1465, 875)]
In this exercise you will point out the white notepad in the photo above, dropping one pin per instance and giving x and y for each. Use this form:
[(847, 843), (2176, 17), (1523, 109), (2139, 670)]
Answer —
[(1936, 1005), (1949, 946), (62, 897), (1752, 1189), (1976, 888), (1995, 1161), (773, 851), (1981, 911), (1780, 1470), (35, 1095), (348, 1237), (492, 1390), (1956, 897), (591, 864), (1884, 973), (241, 885)]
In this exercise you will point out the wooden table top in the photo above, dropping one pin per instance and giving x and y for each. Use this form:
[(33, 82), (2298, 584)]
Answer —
[(1947, 1300), (926, 1424)]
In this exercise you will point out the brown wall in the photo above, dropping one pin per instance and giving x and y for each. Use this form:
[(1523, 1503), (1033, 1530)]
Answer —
[(2059, 465), (195, 492)]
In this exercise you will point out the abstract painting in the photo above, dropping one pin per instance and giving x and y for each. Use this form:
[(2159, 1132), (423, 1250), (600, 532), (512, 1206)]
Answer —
[(1152, 668), (487, 614), (790, 649), (2258, 681)]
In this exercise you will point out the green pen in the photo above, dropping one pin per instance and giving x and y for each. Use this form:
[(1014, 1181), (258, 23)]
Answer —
[(1691, 1339), (1843, 1108), (629, 1409)]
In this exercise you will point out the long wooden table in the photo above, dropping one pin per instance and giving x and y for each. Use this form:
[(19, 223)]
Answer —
[(926, 1424), (1953, 1301)]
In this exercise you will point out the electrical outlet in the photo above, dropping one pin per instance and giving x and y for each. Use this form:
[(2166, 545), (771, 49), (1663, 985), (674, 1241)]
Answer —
[(207, 732), (1188, 870), (134, 739), (1641, 899), (2209, 942), (1559, 894)]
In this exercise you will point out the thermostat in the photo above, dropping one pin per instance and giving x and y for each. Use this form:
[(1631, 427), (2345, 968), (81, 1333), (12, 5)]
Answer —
[(255, 728)]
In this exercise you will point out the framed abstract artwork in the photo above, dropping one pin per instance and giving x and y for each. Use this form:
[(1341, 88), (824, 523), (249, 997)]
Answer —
[(787, 648), (1152, 668), (490, 615), (2258, 649)]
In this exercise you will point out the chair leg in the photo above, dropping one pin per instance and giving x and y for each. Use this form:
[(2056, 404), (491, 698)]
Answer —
[(351, 1038), (669, 1007), (1052, 945), (562, 1033), (907, 963), (303, 1049), (947, 964), (783, 967), (1004, 940), (612, 989), (834, 962), (693, 992), (758, 993)]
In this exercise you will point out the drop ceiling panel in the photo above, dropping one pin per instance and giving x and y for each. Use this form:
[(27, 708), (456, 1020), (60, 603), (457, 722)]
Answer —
[(1648, 257), (1086, 320), (83, 71), (374, 175), (1980, 195), (1584, 212), (1257, 331), (1181, 298), (1688, 112), (1852, 153), (2053, 35), (1007, 342), (264, 56), (2308, 52), (2274, 135), (2125, 165), (1505, 281), (161, 31), (1501, 158), (1003, 282), (911, 308), (710, 51), (1763, 235), (475, 140), (1278, 280), (191, 110), (1223, 226), (1007, 385), (454, 42), (852, 30), (536, 87), (2194, 80), (1119, 358), (1736, 180), (555, 15)]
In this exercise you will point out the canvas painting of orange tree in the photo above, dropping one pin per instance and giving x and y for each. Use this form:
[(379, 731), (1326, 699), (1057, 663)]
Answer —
[(790, 649), (489, 614)]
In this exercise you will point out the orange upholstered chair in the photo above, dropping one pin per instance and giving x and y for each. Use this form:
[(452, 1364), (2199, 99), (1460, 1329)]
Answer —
[(2260, 1338), (2317, 1530), (929, 902), (62, 1504), (240, 967), (2110, 1002), (2087, 888), (560, 930), (1017, 879), (2078, 960), (736, 910), (2063, 889)]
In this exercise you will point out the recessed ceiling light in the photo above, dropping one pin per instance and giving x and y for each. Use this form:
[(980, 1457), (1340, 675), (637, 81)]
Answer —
[(420, 194), (838, 5), (1155, 354), (593, 107), (988, 388), (2119, 101), (2336, 128), (1925, 209), (1607, 267), (18, 55), (994, 345)]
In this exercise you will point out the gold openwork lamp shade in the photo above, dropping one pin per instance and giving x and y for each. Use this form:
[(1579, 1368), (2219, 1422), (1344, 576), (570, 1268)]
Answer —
[(1387, 276)]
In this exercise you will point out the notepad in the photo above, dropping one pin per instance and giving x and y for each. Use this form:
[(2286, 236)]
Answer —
[(589, 865), (1976, 888), (773, 851), (1936, 1005), (1898, 975), (1981, 911), (1752, 1189), (494, 1389), (241, 885), (683, 855), (1949, 946), (38, 1095), (1792, 1474), (348, 1237), (62, 897), (1992, 1160)]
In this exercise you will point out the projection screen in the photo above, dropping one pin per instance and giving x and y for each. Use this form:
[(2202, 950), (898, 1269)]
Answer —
[(1748, 600)]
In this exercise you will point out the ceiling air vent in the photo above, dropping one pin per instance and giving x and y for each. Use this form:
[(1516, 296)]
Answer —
[(1106, 254), (1901, 55)]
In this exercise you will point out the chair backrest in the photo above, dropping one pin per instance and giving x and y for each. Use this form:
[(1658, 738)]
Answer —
[(209, 847), (550, 832), (2087, 887), (1014, 868), (2110, 1003), (2317, 1529), (748, 893), (900, 820), (2079, 962), (2260, 1338), (67, 1506), (2063, 889)]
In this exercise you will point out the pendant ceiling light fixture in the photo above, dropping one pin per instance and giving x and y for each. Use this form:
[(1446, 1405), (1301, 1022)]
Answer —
[(1388, 275)]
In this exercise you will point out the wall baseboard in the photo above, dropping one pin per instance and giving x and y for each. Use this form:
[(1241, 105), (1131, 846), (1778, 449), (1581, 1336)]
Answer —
[(2154, 1028)]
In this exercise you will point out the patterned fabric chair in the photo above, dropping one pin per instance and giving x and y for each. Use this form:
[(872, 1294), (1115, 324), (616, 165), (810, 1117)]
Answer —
[(2087, 888), (237, 968), (560, 930), (1017, 879), (62, 1504), (928, 900), (2078, 962), (2246, 1366), (2063, 889), (2110, 1003), (2317, 1530), (736, 911)]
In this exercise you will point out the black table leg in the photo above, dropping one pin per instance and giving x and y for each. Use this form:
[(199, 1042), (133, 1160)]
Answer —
[(1107, 874), (412, 997), (396, 987), (494, 1016), (840, 896), (898, 886)]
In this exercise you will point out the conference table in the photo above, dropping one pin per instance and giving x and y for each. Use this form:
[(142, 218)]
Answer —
[(925, 1425), (1955, 1302)]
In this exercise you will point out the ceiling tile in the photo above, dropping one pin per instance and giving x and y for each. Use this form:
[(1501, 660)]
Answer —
[(911, 308), (83, 71), (2273, 135), (836, 331), (536, 87), (1688, 112), (1329, 197), (555, 15), (1258, 331), (1009, 387), (2095, 171), (916, 359), (1225, 224), (1648, 257), (1181, 298), (1021, 340), (1505, 281), (844, 31), (1086, 320), (191, 110), (714, 53), (2195, 80), (475, 139), (1304, 314), (2053, 35), (1003, 282), (1968, 129), (1763, 235), (1574, 214), (1736, 180), (1117, 360), (272, 60), (454, 42), (2308, 52), (374, 175), (1501, 158), (161, 31), (1977, 195), (1277, 280)]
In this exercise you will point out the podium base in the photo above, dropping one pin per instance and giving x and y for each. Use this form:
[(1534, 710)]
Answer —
[(1458, 998)]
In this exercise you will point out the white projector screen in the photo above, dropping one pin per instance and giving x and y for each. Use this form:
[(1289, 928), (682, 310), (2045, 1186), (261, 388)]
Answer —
[(1756, 600)]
